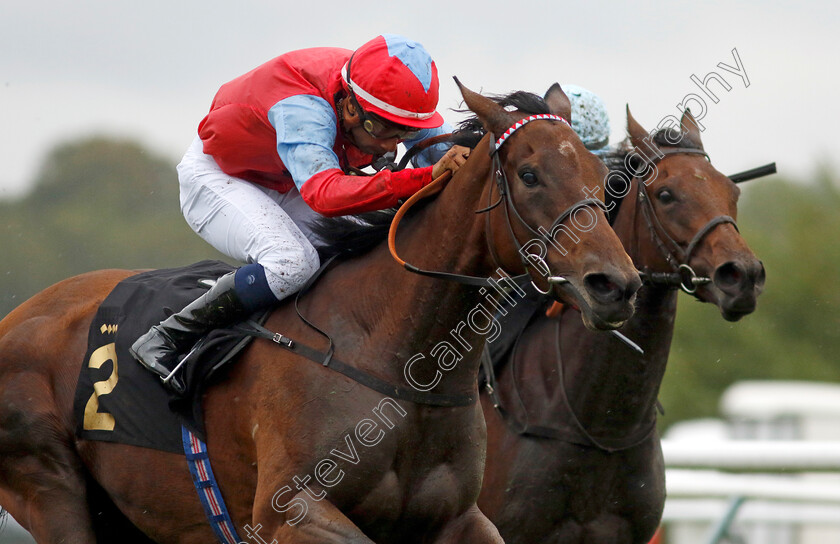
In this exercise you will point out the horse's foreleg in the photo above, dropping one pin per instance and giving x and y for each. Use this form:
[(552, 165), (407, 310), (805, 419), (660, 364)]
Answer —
[(473, 527), (307, 522), (42, 479), (46, 493)]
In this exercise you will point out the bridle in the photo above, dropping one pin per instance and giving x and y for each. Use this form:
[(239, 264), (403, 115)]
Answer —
[(683, 276), (529, 260)]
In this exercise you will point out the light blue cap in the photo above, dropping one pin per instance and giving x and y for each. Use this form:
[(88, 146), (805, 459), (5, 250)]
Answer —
[(589, 117)]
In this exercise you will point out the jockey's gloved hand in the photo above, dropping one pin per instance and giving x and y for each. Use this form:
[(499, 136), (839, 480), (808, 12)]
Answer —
[(452, 161)]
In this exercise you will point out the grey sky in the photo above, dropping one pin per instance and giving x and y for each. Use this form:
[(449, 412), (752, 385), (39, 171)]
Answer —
[(149, 70)]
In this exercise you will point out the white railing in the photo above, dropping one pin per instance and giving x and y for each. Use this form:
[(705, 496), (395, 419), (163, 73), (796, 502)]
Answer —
[(781, 484), (753, 455)]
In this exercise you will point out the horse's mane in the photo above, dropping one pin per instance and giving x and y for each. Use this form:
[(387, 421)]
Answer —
[(355, 235), (615, 160), (352, 235)]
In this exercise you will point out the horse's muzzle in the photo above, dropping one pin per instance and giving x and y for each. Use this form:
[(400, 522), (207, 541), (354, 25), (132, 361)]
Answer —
[(740, 283), (610, 296)]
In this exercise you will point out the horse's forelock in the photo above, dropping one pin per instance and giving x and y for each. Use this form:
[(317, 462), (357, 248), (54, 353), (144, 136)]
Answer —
[(664, 138), (524, 102)]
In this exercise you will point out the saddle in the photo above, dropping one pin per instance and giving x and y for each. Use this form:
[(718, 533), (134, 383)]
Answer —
[(116, 399)]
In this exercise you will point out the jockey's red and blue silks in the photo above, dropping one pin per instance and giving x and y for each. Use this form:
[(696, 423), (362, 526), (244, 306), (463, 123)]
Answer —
[(277, 125)]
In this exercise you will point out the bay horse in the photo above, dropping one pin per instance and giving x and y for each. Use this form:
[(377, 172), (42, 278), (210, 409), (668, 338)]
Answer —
[(573, 454), (412, 473)]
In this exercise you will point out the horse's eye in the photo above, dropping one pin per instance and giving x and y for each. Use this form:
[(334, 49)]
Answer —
[(665, 196), (528, 178)]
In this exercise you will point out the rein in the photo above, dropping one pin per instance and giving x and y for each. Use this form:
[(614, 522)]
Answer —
[(683, 276), (433, 188)]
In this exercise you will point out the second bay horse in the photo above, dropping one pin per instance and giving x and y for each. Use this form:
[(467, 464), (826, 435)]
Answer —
[(573, 454)]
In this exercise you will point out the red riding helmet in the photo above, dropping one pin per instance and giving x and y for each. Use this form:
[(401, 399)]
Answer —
[(396, 79)]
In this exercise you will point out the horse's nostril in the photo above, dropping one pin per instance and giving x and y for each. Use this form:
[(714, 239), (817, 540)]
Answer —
[(603, 288), (729, 275)]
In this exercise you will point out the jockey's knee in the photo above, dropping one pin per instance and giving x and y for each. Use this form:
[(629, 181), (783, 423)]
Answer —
[(288, 272)]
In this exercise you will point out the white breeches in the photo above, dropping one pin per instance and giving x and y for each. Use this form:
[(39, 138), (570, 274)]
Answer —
[(248, 222)]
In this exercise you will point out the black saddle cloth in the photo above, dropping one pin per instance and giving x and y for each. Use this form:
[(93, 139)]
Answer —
[(117, 399)]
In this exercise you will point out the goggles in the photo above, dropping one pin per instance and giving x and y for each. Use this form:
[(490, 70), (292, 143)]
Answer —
[(381, 129)]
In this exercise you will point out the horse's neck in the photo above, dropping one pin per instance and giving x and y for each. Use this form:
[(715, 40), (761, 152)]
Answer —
[(609, 385), (399, 316)]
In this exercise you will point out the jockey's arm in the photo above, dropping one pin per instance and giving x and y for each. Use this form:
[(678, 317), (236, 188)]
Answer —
[(306, 132)]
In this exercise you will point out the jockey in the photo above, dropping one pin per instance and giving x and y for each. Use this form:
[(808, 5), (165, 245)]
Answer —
[(272, 155)]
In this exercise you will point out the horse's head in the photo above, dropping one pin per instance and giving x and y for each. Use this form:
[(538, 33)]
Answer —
[(542, 222), (691, 209)]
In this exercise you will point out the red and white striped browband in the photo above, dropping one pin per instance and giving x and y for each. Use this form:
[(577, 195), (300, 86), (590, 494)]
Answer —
[(522, 122)]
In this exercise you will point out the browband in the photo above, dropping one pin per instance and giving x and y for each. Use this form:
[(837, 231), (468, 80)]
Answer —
[(522, 122)]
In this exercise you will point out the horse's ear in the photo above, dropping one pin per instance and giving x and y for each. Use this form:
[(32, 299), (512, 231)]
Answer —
[(558, 102), (691, 132), (637, 133), (493, 117)]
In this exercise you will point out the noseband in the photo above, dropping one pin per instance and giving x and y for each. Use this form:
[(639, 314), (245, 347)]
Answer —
[(683, 276)]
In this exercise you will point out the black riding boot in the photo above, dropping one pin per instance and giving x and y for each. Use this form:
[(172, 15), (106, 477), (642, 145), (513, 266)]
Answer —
[(159, 349)]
